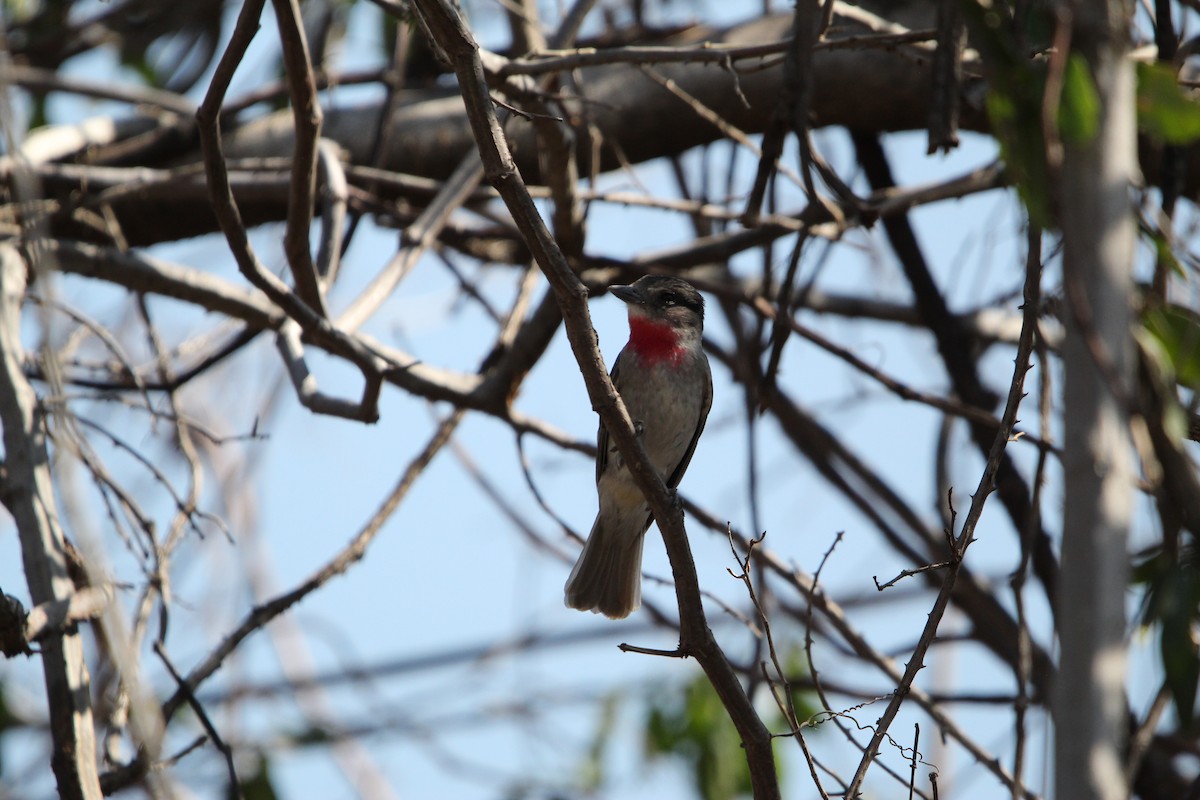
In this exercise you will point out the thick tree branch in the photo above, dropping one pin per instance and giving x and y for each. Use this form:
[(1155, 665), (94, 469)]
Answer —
[(27, 492), (1090, 707)]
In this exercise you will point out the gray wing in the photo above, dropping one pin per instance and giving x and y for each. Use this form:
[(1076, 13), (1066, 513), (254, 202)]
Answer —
[(602, 433), (682, 466)]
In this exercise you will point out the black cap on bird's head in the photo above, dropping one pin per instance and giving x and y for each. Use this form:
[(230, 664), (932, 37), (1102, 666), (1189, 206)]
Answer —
[(664, 299)]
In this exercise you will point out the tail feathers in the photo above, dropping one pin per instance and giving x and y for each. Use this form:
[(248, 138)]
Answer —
[(607, 578)]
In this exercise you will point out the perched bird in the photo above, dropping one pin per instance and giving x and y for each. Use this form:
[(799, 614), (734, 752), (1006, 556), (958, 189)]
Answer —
[(664, 379)]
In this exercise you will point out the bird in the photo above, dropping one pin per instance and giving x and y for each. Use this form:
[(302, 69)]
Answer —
[(665, 381)]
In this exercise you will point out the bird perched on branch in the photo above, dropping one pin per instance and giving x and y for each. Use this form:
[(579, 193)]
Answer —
[(664, 378)]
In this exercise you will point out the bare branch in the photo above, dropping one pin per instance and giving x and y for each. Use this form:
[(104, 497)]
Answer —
[(960, 543), (695, 636), (306, 110), (27, 491), (347, 557)]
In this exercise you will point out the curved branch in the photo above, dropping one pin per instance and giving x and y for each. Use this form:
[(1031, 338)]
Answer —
[(696, 638)]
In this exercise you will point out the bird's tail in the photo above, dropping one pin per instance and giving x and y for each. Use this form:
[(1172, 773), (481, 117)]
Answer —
[(607, 578)]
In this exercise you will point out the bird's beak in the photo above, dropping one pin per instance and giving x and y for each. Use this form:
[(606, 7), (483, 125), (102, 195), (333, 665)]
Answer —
[(628, 294)]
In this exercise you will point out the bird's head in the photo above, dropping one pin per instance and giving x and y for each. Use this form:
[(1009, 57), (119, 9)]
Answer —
[(666, 316)]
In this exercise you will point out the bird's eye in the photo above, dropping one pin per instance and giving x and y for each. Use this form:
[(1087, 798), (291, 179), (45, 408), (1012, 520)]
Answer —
[(669, 298)]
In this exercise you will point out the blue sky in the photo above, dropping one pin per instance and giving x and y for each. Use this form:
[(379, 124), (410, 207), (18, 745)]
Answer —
[(449, 571)]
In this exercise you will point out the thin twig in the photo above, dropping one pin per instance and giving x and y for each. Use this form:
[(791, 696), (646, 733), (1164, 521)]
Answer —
[(1023, 665), (908, 573), (235, 785), (786, 703), (347, 557)]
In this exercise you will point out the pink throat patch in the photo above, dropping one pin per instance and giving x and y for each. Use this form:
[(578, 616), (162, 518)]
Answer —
[(654, 342)]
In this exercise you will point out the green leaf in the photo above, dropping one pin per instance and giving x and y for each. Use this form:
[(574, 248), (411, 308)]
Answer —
[(1181, 666), (1173, 603), (1177, 330), (1022, 146), (1178, 598), (1079, 107), (258, 786), (696, 729), (1165, 111), (38, 117), (8, 720), (313, 735), (1162, 249), (592, 770), (1016, 87)]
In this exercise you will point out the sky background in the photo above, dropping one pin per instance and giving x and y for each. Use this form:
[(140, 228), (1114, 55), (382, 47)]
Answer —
[(450, 573)]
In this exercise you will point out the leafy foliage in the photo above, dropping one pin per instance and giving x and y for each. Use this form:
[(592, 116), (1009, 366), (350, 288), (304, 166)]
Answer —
[(1172, 603), (593, 770), (1170, 342), (692, 726), (257, 786), (1014, 107), (1079, 108), (1165, 111), (1176, 330)]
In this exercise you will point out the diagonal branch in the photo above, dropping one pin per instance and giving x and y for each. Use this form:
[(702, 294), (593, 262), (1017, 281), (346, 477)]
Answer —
[(696, 639), (882, 504), (987, 484), (260, 615)]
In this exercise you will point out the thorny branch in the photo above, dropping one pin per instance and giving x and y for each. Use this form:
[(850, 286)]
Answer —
[(962, 540)]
